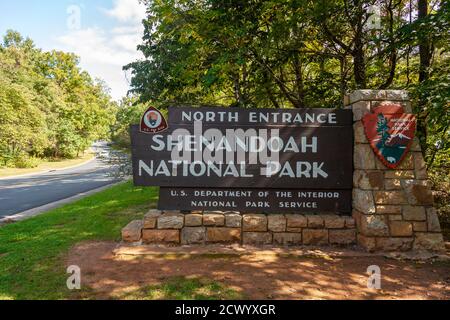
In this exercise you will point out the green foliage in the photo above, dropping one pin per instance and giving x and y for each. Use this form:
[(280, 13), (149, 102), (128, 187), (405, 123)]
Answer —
[(441, 185), (432, 101), (129, 112), (49, 106), (298, 53), (25, 161), (288, 53)]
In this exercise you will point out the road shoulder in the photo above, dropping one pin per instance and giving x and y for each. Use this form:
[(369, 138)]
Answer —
[(46, 167)]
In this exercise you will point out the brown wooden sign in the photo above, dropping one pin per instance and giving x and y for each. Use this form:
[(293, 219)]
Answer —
[(294, 149)]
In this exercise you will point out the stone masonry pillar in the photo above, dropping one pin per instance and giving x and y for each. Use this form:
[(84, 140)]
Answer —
[(393, 209)]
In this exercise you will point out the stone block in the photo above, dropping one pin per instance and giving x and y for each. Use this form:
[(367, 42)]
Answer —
[(407, 163), (395, 217), (214, 219), (363, 201), (333, 221), (394, 244), (223, 235), (315, 236), (418, 192), (342, 236), (399, 174), (161, 236), (374, 225), (151, 218), (315, 222), (193, 220), (389, 209), (193, 235), (390, 197), (360, 136), (392, 184), (368, 180), (416, 145), (350, 222), (356, 215), (419, 226), (360, 109), (401, 228), (367, 94), (368, 243), (296, 221), (277, 223), (397, 95), (255, 222), (294, 230), (433, 220), (420, 167), (133, 231), (429, 241), (233, 220), (287, 238), (171, 220), (414, 213), (363, 157), (257, 238)]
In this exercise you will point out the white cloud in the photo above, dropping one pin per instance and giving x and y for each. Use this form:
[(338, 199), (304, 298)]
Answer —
[(103, 53), (127, 11)]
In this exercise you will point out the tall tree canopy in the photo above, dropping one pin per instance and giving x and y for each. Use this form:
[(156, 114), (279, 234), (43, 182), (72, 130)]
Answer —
[(297, 53), (49, 106)]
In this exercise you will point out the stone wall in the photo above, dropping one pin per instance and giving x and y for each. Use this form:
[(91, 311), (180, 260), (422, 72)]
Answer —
[(393, 209), (173, 227)]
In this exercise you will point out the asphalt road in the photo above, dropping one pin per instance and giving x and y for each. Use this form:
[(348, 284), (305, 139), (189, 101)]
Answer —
[(29, 192)]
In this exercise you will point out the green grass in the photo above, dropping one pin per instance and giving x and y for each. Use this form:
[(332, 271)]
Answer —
[(182, 288), (32, 252)]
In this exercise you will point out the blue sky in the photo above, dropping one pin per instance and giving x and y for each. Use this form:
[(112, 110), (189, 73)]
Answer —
[(104, 34)]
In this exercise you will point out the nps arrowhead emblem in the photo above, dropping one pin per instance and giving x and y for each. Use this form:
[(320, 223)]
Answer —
[(390, 132), (153, 121)]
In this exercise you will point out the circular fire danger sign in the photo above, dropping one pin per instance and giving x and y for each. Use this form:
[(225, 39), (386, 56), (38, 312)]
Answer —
[(153, 121)]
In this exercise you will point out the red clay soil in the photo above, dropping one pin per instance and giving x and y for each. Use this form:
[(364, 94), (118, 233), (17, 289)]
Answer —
[(110, 275)]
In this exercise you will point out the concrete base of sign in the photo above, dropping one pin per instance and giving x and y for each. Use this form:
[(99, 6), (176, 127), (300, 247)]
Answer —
[(173, 227)]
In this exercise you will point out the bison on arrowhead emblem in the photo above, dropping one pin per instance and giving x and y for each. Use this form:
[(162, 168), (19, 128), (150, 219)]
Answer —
[(390, 132)]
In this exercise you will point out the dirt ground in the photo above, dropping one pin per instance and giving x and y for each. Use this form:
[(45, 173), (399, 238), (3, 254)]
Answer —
[(111, 272)]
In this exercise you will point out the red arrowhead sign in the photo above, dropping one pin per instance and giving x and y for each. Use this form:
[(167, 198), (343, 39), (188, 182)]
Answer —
[(390, 132), (153, 121)]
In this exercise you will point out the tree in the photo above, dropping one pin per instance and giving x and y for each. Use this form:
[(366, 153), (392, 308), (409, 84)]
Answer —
[(49, 106), (295, 53)]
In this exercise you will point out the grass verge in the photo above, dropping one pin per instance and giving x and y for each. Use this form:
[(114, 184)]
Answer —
[(183, 288), (32, 251)]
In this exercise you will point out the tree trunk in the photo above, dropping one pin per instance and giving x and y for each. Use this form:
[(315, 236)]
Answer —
[(424, 46), (358, 56), (299, 81), (425, 60)]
